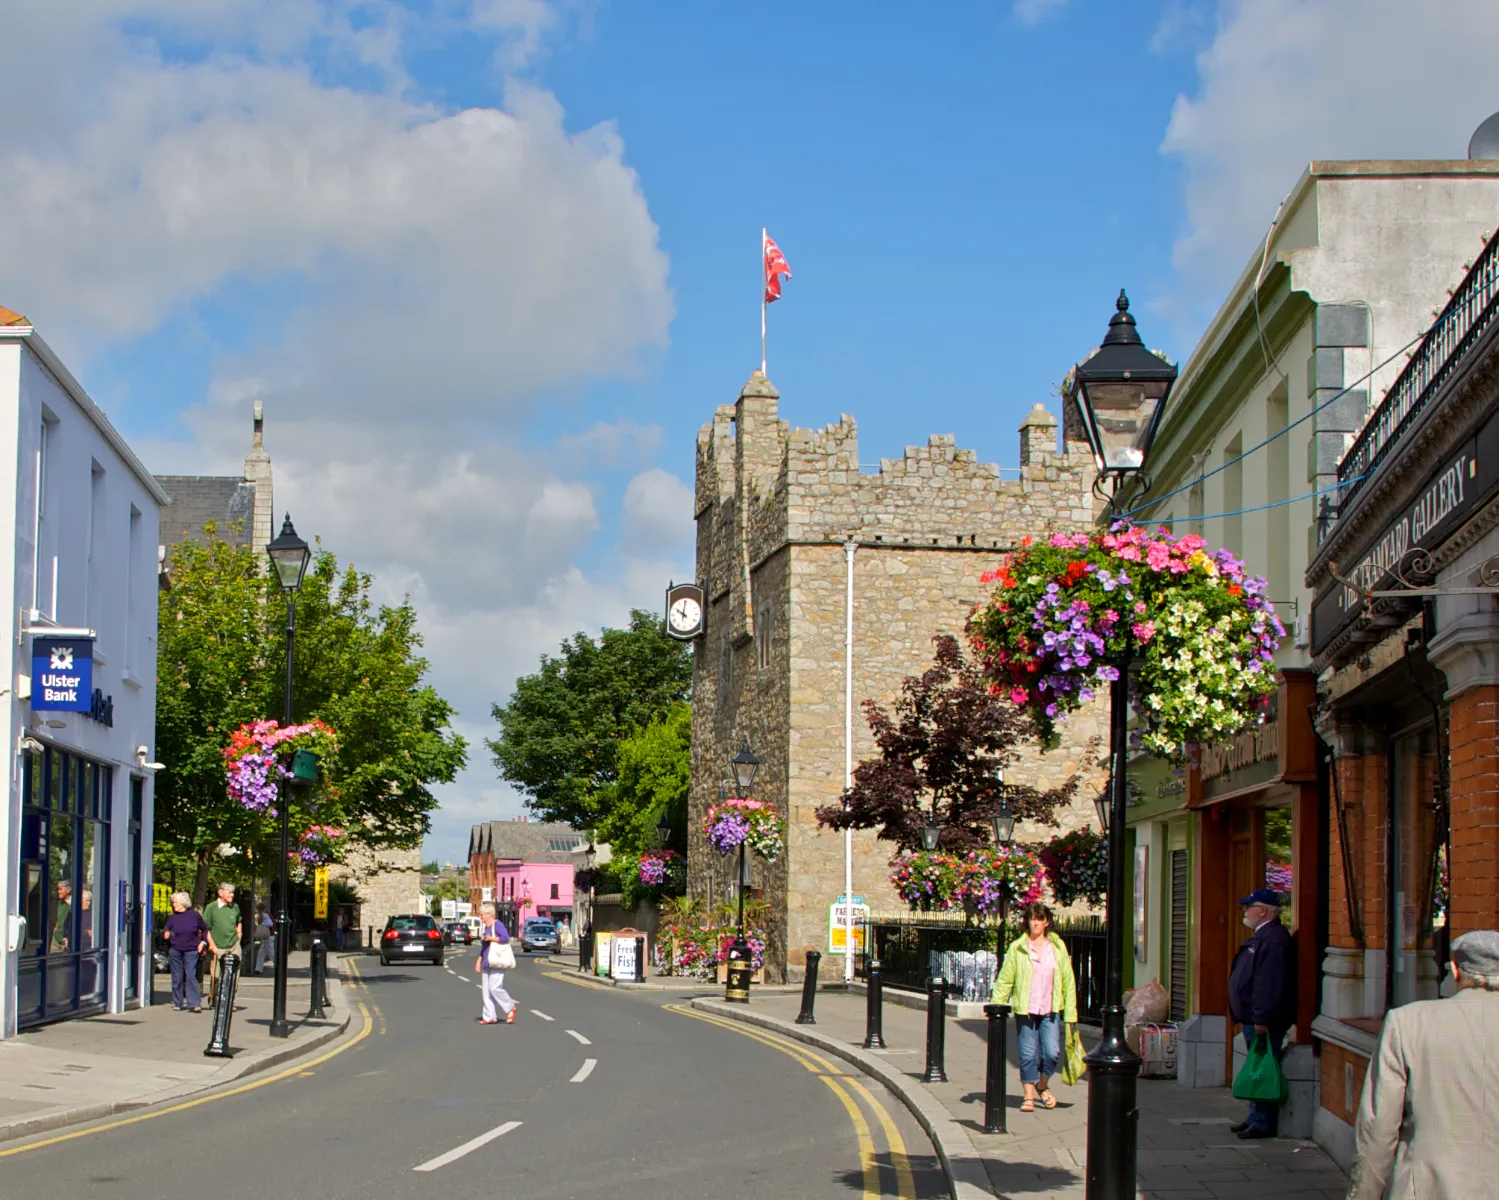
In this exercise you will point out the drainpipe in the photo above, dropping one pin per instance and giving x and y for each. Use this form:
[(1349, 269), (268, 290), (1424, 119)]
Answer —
[(848, 757)]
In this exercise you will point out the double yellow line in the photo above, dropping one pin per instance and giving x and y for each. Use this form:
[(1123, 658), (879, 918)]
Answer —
[(831, 1075), (356, 980)]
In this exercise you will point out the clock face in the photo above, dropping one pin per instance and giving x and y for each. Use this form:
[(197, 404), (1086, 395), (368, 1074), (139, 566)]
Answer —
[(685, 614)]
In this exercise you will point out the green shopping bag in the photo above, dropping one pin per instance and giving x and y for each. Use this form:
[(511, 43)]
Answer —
[(1260, 1078), (1073, 1065)]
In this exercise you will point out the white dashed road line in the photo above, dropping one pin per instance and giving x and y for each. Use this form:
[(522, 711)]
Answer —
[(585, 1070), (458, 1152), (542, 1015), (582, 1041)]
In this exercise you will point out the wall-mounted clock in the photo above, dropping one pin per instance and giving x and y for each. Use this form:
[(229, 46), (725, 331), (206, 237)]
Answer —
[(686, 611)]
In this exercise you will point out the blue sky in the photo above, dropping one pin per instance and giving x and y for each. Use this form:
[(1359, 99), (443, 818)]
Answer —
[(490, 263)]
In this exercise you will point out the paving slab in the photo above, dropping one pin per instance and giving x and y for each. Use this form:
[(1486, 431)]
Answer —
[(84, 1069), (1186, 1149)]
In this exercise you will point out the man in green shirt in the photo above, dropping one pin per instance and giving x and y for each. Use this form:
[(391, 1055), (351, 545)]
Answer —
[(62, 916), (224, 928)]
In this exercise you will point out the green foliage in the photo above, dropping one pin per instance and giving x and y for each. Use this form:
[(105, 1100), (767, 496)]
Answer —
[(448, 889), (654, 765), (221, 662), (562, 729)]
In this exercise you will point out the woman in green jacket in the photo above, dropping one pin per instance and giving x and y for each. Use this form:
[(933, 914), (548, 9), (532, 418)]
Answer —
[(1036, 980)]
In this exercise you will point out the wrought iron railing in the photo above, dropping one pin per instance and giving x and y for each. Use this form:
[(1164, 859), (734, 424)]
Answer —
[(1470, 311), (968, 956)]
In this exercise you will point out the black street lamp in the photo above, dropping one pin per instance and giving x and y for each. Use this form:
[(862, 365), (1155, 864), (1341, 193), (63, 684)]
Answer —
[(663, 832), (741, 960), (1004, 832), (1120, 392), (931, 832), (585, 936), (289, 557)]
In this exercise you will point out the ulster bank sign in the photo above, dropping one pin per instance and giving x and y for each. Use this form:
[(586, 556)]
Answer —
[(62, 674)]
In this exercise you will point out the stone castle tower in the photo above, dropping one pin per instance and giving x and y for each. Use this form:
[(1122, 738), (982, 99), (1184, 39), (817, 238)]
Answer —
[(784, 517)]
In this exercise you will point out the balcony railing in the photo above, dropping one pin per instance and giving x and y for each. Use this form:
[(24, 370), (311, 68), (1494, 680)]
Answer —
[(1470, 311)]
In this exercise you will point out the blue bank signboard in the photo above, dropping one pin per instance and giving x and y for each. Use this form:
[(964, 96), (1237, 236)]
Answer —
[(62, 674)]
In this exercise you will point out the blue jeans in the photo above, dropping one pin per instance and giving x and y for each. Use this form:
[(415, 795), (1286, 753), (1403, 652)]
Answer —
[(185, 992), (1263, 1114), (1040, 1043)]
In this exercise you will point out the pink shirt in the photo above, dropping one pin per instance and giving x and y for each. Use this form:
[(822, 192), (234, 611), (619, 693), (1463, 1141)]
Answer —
[(1043, 972)]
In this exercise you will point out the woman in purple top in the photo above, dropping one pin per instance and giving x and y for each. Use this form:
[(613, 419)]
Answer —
[(184, 933), (492, 979)]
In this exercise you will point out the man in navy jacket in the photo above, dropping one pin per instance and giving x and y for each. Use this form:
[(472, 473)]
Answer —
[(1262, 993)]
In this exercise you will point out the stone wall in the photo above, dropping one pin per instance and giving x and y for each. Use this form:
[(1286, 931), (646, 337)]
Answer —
[(388, 882), (775, 509)]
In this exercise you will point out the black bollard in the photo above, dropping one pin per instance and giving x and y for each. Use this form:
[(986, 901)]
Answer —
[(317, 969), (809, 990), (640, 960), (585, 950), (994, 1080), (936, 1030), (874, 1021), (223, 1011)]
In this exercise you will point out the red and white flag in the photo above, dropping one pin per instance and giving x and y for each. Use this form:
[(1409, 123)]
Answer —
[(775, 267)]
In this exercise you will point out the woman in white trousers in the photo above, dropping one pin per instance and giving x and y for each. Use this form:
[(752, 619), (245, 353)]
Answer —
[(497, 1000)]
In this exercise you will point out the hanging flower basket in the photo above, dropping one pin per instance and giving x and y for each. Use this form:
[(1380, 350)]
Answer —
[(259, 755), (1077, 867), (661, 867), (927, 880), (990, 881), (757, 822), (1202, 633), (321, 845)]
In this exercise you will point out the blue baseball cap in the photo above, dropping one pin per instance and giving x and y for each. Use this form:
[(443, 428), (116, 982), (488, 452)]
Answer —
[(1262, 896)]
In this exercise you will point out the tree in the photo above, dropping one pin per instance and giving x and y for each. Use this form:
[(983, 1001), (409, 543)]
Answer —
[(940, 751), (221, 663), (560, 731), (654, 766)]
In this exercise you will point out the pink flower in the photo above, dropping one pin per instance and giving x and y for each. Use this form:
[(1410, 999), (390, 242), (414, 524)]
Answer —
[(1143, 630), (1158, 556), (1129, 553), (1189, 543), (1019, 695)]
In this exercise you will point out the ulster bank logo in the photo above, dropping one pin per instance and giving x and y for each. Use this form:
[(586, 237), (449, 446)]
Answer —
[(62, 658)]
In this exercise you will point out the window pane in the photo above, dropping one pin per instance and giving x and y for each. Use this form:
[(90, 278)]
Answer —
[(93, 897), (31, 906), (61, 864), (54, 780)]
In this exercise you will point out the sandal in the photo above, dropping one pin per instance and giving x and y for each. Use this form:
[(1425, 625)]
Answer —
[(1048, 1099), (1028, 1105)]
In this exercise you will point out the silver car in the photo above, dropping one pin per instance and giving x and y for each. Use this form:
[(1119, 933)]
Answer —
[(539, 934)]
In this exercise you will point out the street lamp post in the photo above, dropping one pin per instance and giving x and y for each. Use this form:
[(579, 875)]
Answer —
[(1120, 392), (1004, 833), (741, 959), (289, 557)]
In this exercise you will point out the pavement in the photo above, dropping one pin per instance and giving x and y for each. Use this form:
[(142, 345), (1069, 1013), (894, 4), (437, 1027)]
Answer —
[(1186, 1151), (75, 1071), (625, 1093)]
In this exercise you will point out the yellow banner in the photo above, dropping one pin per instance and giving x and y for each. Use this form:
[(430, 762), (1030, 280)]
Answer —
[(320, 893), (161, 897)]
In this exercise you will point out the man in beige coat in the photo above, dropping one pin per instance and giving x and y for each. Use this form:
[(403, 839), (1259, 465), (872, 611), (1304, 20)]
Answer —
[(1430, 1110)]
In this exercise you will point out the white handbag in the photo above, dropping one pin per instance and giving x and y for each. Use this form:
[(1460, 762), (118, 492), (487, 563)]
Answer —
[(500, 957)]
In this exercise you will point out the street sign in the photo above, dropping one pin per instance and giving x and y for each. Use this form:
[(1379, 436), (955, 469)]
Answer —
[(450, 910), (623, 951), (320, 893), (464, 908), (841, 915)]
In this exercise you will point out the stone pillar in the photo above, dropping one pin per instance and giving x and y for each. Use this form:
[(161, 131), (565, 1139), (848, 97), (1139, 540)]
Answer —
[(1038, 436), (258, 473)]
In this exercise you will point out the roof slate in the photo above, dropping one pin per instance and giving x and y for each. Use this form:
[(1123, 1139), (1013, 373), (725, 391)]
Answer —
[(198, 499), (526, 841)]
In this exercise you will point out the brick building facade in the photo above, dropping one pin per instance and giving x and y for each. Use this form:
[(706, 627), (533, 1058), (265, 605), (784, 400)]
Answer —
[(1406, 634), (785, 518)]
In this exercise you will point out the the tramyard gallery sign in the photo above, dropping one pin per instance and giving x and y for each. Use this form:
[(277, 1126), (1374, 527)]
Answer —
[(1450, 493)]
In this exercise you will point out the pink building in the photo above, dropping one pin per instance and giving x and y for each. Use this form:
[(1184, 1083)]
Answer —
[(525, 866)]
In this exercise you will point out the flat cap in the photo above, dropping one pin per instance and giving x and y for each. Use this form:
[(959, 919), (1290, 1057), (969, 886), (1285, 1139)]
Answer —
[(1477, 953)]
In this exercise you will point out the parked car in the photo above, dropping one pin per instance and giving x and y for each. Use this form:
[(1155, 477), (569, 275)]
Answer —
[(539, 934), (411, 936), (456, 933)]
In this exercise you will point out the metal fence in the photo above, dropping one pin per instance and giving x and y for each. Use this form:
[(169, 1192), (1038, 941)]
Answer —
[(911, 951)]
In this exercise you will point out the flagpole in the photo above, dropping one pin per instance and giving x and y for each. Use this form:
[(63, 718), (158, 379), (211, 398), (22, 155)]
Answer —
[(764, 233)]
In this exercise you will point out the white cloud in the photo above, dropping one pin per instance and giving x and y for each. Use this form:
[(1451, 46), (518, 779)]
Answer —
[(658, 517), (1285, 82), (435, 273), (1033, 12)]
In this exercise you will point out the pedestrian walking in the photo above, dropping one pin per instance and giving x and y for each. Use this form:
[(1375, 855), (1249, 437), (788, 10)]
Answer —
[(1262, 995), (224, 932), (1037, 981), (1426, 1120), (341, 929), (264, 938), (495, 957), (185, 933)]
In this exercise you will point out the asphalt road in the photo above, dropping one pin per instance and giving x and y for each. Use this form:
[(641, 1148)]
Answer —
[(592, 1092)]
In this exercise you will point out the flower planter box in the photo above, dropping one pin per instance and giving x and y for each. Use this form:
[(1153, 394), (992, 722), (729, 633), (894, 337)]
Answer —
[(723, 974)]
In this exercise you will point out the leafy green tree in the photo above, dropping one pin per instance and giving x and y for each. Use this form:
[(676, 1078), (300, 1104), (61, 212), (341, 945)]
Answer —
[(654, 764), (561, 731), (221, 663)]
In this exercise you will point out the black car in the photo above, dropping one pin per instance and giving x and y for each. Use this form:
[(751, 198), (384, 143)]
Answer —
[(540, 934), (456, 933), (411, 937)]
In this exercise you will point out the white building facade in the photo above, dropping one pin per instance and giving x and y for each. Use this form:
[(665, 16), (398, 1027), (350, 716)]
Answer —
[(79, 533)]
